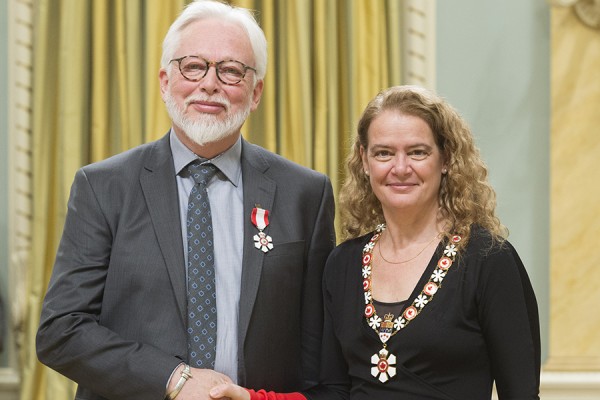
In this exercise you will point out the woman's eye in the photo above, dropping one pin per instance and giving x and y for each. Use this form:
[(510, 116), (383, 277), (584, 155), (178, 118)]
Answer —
[(382, 154), (418, 154)]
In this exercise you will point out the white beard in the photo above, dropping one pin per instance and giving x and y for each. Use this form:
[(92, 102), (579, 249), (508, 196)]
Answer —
[(206, 128)]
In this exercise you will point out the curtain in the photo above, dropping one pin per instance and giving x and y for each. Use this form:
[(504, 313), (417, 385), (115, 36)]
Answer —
[(327, 59), (96, 93)]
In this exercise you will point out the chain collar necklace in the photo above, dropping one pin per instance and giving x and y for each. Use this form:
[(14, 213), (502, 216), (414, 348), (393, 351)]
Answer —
[(384, 362)]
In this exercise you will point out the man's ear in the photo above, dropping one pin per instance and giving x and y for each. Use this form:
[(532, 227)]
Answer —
[(163, 79), (257, 94)]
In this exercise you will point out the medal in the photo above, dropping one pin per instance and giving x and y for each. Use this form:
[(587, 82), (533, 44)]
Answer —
[(384, 362), (260, 219), (384, 365)]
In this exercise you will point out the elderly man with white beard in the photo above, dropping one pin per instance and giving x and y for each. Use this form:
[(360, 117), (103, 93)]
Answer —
[(196, 259)]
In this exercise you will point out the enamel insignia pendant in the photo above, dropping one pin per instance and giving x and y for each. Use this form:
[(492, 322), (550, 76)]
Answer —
[(384, 362), (384, 365), (260, 219)]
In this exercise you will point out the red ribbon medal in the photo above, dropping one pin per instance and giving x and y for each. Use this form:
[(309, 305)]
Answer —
[(260, 219)]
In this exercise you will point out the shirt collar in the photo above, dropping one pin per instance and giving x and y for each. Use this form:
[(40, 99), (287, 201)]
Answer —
[(228, 162)]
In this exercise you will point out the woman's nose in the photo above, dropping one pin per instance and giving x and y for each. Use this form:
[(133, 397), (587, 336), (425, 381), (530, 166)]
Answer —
[(401, 164)]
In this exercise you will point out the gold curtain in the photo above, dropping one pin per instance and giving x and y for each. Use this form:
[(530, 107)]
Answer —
[(96, 94), (327, 59)]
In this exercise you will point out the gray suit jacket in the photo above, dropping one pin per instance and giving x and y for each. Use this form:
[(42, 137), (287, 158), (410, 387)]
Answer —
[(113, 319)]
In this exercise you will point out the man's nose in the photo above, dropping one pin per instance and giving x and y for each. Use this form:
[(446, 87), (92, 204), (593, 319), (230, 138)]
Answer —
[(210, 83)]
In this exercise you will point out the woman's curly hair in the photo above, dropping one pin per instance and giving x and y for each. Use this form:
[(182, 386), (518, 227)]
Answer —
[(465, 195)]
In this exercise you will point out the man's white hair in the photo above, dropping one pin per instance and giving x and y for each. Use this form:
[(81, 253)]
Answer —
[(202, 9)]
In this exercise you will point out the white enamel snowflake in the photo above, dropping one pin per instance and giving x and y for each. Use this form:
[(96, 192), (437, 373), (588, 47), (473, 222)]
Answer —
[(380, 228), (368, 247), (384, 365), (366, 271), (368, 297), (438, 275), (450, 250), (421, 300), (374, 321), (399, 323), (263, 242)]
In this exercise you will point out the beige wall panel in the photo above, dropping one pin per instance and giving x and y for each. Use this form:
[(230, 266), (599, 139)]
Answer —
[(575, 195)]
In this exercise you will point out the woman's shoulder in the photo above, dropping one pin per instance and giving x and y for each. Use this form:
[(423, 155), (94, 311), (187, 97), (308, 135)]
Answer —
[(354, 244), (481, 240), (347, 252), (485, 249)]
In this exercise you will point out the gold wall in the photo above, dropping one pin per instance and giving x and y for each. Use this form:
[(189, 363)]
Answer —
[(575, 194)]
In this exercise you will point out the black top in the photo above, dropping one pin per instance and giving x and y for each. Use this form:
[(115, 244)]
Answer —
[(481, 326)]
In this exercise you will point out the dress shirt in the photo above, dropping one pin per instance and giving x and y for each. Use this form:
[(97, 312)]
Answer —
[(225, 193)]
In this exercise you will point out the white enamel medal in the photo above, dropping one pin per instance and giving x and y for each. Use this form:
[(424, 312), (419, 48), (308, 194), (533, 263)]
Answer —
[(384, 362), (260, 219)]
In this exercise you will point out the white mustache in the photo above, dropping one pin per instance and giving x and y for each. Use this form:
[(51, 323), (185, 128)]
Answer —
[(222, 100)]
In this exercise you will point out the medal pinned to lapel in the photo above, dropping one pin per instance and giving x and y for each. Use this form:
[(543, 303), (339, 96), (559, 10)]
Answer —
[(260, 219)]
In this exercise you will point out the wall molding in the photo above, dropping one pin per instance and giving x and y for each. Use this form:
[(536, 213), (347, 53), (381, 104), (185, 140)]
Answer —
[(570, 385), (573, 363), (9, 384), (20, 55), (588, 11), (418, 43)]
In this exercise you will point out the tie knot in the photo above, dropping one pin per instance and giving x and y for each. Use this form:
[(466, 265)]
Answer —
[(202, 173)]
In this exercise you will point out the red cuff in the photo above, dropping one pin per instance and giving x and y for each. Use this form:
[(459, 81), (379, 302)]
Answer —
[(264, 395)]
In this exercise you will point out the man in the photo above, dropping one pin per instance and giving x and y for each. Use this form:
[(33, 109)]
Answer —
[(116, 317)]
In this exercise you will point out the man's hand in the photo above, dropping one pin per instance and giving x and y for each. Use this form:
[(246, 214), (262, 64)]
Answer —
[(199, 385), (231, 391)]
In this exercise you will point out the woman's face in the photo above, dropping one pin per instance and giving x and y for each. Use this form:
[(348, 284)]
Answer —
[(403, 162)]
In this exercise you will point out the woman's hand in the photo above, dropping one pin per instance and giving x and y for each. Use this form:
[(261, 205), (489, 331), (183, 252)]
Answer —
[(230, 390)]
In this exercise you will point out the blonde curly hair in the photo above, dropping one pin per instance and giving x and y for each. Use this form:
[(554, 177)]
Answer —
[(465, 195)]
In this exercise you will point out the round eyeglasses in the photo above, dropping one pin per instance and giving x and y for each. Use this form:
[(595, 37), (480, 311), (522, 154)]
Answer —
[(194, 68)]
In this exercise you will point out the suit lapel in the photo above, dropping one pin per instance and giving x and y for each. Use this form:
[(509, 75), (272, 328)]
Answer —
[(258, 190), (159, 185)]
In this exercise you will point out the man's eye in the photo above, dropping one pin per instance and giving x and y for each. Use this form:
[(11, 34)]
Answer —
[(195, 67), (231, 71)]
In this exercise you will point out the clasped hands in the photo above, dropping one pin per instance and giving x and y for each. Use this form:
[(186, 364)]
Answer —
[(207, 384)]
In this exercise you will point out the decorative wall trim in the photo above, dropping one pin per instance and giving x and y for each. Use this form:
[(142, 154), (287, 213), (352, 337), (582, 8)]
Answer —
[(588, 11), (570, 385), (573, 363), (9, 384), (20, 51), (418, 43)]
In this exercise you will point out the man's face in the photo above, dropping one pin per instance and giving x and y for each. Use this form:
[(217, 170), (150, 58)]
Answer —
[(209, 110)]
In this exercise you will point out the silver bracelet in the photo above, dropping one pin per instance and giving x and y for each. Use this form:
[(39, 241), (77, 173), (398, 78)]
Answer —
[(185, 375)]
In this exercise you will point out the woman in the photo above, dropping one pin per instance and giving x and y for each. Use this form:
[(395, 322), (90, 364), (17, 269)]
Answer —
[(427, 299)]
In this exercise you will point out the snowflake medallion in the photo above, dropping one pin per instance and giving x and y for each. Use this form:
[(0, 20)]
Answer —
[(438, 275), (421, 300), (375, 321), (263, 242), (450, 250), (384, 365)]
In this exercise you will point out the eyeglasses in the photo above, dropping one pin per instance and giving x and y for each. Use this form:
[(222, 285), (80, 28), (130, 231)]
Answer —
[(194, 68)]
